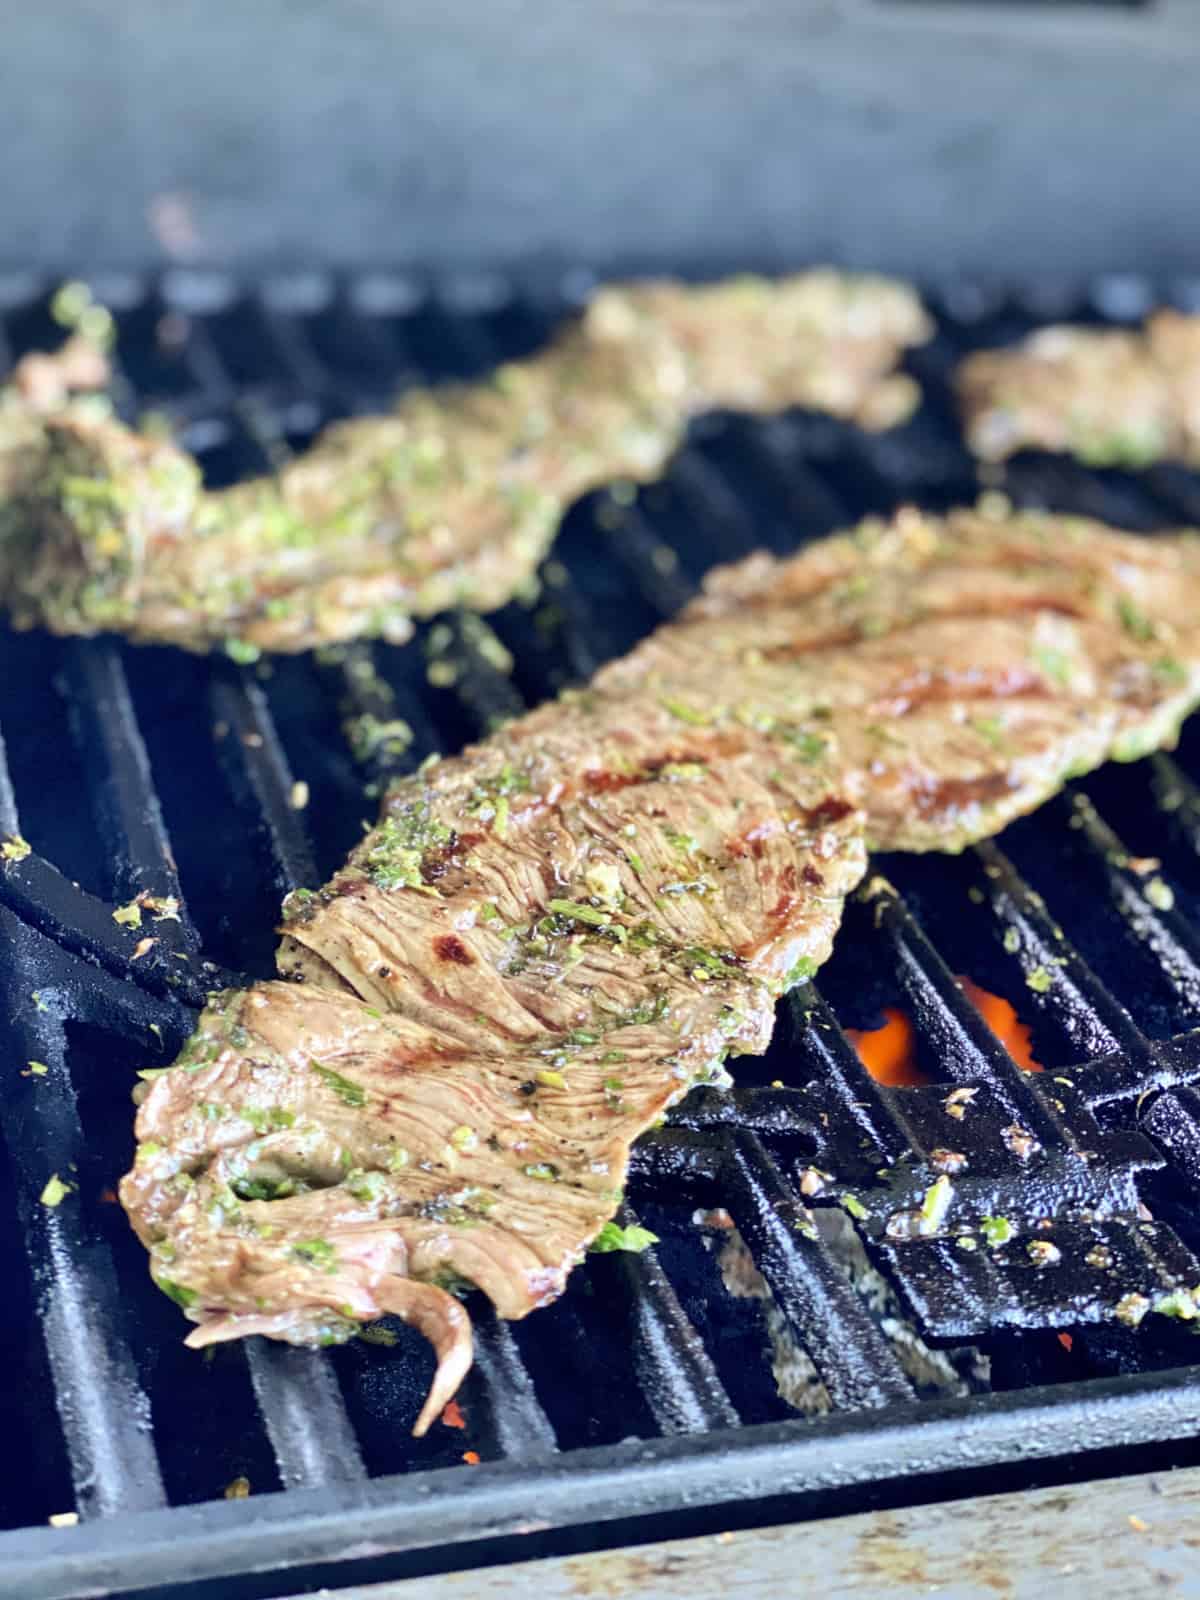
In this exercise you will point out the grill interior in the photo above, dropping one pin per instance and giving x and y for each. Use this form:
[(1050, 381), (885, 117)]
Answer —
[(648, 1387)]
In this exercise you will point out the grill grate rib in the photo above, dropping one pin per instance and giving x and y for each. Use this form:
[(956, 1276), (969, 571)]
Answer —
[(1112, 1125)]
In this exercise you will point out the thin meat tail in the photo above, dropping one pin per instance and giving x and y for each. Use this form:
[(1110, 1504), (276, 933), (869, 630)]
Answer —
[(443, 1321)]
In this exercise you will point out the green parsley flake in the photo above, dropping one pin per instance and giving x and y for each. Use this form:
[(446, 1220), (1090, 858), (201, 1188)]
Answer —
[(1039, 980), (936, 1204), (1136, 624), (855, 1207), (129, 916), (996, 1230), (353, 1094), (15, 848), (178, 1292), (613, 1237), (1056, 664), (317, 1252), (578, 912), (686, 713), (1012, 941)]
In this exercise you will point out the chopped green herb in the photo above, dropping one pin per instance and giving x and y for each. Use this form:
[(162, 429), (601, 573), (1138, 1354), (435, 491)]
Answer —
[(366, 1186), (1136, 625), (686, 713), (464, 1138), (578, 912), (613, 1237), (1170, 669), (15, 848), (855, 1207), (1056, 664), (242, 651), (808, 746), (377, 1333), (991, 729), (129, 916), (1039, 980), (38, 1068), (1012, 941), (936, 1204), (542, 1170), (996, 1230), (353, 1094), (801, 972), (1184, 1304), (317, 1252), (178, 1292), (551, 1080)]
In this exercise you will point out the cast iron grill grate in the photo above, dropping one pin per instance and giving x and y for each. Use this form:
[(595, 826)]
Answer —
[(142, 771)]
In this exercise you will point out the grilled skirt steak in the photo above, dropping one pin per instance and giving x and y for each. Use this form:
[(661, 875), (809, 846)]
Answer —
[(547, 939), (450, 500), (1109, 397)]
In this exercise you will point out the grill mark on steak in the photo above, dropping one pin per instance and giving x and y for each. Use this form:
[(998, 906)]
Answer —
[(624, 937), (104, 530), (449, 947)]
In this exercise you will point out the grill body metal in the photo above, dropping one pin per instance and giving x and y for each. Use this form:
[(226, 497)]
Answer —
[(645, 1397)]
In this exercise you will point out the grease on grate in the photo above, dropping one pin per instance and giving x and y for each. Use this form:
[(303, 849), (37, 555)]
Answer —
[(940, 1373)]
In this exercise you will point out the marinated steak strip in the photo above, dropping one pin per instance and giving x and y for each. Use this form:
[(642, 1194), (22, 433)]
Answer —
[(964, 665), (1110, 397), (450, 500), (543, 945)]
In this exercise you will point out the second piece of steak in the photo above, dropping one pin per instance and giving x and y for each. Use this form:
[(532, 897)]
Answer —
[(452, 499)]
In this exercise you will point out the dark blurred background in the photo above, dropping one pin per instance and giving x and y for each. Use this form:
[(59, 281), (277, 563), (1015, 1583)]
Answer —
[(928, 136)]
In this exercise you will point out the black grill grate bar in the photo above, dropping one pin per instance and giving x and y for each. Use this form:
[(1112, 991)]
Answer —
[(1144, 901), (257, 768), (1055, 976), (1173, 1119), (83, 925), (103, 1409), (968, 1050), (520, 1428), (858, 1365), (305, 1415), (650, 561), (674, 1370), (1177, 802), (879, 1115), (369, 704), (121, 787)]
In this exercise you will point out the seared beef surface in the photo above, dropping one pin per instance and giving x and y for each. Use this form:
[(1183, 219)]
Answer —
[(546, 940), (451, 500), (1107, 396), (544, 943)]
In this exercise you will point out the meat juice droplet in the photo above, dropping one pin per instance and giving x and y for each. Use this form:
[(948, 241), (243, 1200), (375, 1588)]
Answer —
[(889, 1053)]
